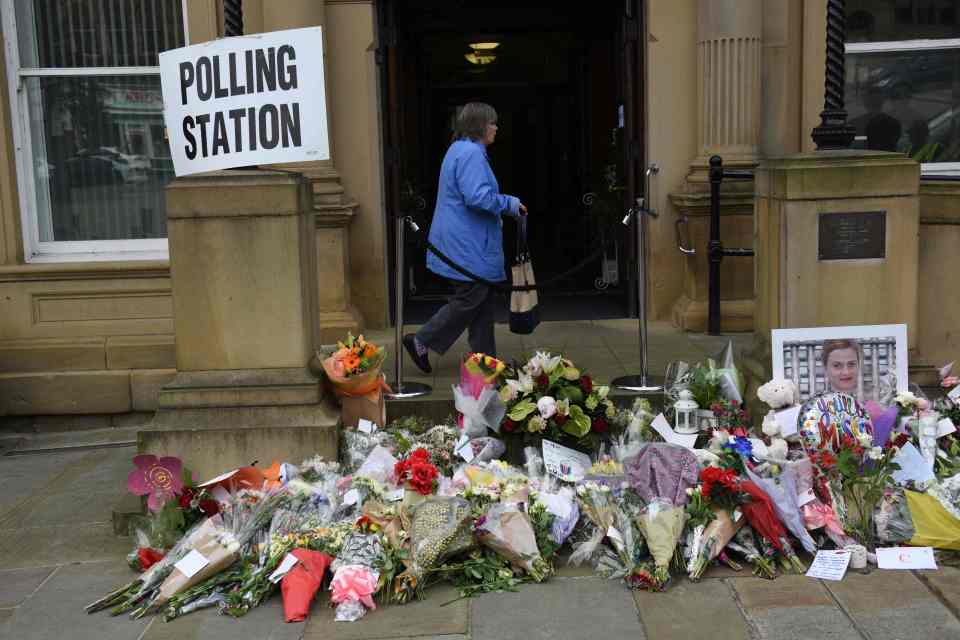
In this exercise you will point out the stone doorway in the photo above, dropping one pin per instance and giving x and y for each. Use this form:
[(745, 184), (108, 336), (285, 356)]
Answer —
[(558, 78)]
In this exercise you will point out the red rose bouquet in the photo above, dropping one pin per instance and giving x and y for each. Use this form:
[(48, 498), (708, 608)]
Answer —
[(417, 472)]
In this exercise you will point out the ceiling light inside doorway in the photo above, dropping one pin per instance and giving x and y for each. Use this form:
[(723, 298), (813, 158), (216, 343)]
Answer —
[(482, 53), (479, 58)]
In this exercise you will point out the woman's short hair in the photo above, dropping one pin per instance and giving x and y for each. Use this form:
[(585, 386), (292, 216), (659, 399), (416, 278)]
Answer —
[(472, 121), (829, 346)]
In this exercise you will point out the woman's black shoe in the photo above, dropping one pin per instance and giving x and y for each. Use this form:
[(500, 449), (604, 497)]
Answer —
[(422, 361)]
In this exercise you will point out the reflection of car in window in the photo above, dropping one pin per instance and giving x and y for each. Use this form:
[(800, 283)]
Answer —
[(106, 165), (901, 76)]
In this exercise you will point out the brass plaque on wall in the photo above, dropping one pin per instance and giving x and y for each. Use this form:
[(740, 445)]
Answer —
[(856, 235)]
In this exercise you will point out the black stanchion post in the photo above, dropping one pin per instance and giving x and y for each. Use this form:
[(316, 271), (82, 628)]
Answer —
[(400, 388), (715, 247)]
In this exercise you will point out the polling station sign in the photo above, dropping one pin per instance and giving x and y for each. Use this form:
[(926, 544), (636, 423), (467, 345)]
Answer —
[(245, 101)]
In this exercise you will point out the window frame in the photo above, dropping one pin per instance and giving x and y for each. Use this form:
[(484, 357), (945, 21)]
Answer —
[(35, 250), (896, 46)]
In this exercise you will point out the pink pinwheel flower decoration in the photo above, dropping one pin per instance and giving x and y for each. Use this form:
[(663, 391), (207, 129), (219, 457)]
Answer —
[(161, 479)]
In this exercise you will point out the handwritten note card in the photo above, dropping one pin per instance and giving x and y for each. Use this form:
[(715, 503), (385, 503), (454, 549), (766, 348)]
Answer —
[(829, 565)]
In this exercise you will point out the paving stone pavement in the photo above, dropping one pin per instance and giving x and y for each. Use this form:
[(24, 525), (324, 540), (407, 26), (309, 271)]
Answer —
[(58, 552)]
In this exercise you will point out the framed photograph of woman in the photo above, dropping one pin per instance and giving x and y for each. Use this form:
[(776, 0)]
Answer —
[(868, 362)]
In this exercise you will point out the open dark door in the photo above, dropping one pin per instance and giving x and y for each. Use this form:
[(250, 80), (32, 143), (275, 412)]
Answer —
[(632, 41)]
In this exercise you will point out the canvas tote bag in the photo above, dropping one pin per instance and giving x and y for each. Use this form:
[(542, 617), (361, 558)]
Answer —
[(524, 309)]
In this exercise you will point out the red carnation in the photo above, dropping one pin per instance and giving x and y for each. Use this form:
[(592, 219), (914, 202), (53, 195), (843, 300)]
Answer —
[(543, 380), (420, 455), (148, 557), (560, 420), (600, 425), (209, 507), (586, 384), (509, 425)]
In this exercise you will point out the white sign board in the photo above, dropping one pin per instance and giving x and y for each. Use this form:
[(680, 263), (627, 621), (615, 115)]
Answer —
[(243, 101)]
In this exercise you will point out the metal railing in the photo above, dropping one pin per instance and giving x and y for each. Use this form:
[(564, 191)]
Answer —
[(716, 252)]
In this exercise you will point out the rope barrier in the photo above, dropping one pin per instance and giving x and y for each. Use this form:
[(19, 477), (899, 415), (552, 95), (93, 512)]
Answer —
[(596, 253)]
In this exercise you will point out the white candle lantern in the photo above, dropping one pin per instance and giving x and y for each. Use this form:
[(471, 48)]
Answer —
[(685, 413)]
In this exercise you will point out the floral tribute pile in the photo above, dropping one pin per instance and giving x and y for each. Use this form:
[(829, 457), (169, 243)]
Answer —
[(416, 503)]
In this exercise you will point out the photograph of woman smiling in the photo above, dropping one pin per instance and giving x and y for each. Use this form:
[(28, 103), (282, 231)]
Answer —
[(841, 361)]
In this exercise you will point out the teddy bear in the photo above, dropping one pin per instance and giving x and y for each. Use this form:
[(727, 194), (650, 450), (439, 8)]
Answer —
[(777, 394)]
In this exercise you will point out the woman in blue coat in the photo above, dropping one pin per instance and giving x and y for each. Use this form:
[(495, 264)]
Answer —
[(467, 228)]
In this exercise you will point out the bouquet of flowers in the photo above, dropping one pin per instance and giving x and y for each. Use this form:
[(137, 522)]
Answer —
[(301, 583), (760, 513), (549, 396), (863, 472), (354, 368), (417, 473), (818, 513), (718, 490), (784, 497), (596, 502), (442, 527), (662, 525), (743, 543), (175, 504), (476, 397), (355, 580), (508, 531)]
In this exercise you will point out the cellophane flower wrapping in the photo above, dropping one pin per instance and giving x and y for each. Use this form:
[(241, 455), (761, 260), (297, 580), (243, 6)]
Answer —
[(507, 530), (219, 547), (486, 411), (661, 523), (662, 471), (893, 519), (356, 385), (441, 527), (485, 449), (783, 494), (596, 503), (716, 535), (301, 583), (762, 516), (476, 396), (558, 499), (354, 576)]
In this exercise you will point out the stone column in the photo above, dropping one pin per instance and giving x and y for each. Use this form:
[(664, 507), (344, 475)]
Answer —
[(729, 38), (243, 270), (334, 211), (729, 41)]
